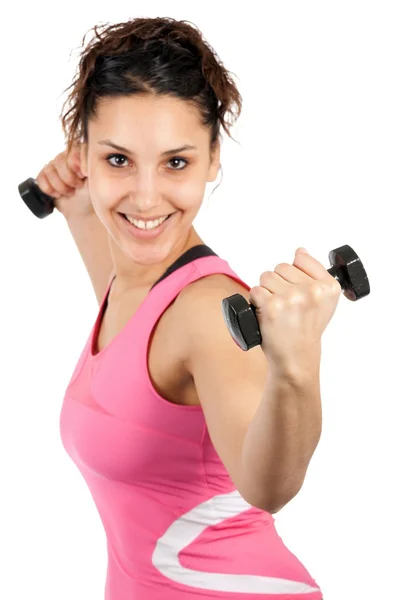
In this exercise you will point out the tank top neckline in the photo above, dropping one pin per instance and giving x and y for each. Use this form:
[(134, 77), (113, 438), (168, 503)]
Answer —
[(193, 253)]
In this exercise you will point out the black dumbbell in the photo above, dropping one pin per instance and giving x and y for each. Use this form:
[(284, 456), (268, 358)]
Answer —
[(40, 203), (240, 316)]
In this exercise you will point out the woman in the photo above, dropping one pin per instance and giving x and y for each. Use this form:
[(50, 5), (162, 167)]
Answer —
[(157, 411)]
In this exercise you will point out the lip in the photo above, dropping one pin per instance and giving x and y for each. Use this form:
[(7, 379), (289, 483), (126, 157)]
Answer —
[(143, 234)]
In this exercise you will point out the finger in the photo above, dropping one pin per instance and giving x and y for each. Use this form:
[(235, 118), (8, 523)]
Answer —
[(73, 160), (311, 267), (66, 173), (292, 274), (273, 282), (57, 183), (259, 296), (45, 185)]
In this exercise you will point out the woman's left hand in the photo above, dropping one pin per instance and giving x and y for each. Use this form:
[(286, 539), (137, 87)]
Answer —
[(294, 304)]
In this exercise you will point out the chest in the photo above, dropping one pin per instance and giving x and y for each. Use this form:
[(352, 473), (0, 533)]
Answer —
[(166, 370)]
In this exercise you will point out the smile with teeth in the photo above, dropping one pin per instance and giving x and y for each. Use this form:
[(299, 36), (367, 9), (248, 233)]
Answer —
[(147, 224)]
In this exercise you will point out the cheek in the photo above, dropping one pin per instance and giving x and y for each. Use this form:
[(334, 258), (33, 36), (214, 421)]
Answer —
[(189, 194), (101, 200), (102, 189)]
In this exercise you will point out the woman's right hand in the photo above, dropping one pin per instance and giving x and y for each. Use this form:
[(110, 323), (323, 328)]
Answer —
[(62, 179)]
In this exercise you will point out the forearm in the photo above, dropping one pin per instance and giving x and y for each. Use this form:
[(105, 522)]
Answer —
[(91, 239), (282, 438)]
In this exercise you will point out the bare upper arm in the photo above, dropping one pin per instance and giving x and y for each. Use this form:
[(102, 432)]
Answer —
[(229, 382)]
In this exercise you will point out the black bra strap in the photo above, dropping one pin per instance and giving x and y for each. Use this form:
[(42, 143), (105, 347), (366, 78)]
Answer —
[(187, 257)]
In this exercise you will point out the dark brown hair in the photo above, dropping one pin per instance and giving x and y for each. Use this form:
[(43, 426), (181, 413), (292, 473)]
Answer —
[(150, 55)]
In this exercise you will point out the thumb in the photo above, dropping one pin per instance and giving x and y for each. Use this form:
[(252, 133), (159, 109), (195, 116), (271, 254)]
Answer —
[(74, 160), (75, 166)]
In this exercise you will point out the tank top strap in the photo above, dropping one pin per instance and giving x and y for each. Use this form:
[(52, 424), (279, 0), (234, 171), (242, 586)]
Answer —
[(190, 255), (195, 264)]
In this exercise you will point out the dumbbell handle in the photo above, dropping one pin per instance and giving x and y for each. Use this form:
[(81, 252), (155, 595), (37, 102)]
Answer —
[(240, 316)]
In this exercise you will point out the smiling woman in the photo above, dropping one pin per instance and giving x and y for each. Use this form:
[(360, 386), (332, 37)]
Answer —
[(157, 409)]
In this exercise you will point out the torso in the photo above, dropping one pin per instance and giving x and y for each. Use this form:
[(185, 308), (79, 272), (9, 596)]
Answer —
[(166, 364), (167, 371)]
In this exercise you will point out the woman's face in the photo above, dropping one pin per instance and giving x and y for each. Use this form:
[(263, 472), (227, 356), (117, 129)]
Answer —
[(146, 179)]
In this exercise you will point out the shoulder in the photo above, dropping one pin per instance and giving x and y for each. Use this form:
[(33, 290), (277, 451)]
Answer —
[(203, 298), (197, 311), (203, 335), (216, 282), (199, 306)]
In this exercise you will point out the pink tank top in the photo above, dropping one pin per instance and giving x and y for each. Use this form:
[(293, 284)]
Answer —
[(176, 527)]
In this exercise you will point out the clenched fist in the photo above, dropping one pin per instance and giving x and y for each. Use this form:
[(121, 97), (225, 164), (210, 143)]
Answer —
[(294, 305), (62, 179)]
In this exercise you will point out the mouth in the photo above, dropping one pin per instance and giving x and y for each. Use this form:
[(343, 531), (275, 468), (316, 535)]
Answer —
[(126, 219), (145, 234)]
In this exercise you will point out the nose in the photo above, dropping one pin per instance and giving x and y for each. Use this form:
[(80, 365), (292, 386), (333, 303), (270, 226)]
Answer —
[(144, 193)]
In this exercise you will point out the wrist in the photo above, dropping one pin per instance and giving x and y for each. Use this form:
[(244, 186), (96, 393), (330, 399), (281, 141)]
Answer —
[(298, 371)]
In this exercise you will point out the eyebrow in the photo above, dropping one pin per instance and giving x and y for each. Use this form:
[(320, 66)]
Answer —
[(166, 153)]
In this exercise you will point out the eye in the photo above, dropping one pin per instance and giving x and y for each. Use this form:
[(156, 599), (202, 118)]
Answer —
[(122, 157), (110, 156), (179, 159)]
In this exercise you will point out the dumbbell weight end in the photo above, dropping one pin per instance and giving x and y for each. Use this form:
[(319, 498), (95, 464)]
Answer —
[(37, 201)]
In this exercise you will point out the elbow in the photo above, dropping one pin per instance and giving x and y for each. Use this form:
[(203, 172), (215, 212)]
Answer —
[(274, 503)]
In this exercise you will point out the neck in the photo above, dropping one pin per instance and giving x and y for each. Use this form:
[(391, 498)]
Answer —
[(142, 275)]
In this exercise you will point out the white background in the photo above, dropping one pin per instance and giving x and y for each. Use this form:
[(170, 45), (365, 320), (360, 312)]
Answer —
[(317, 164)]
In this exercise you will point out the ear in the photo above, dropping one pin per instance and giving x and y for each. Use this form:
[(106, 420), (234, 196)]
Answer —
[(215, 163), (83, 158)]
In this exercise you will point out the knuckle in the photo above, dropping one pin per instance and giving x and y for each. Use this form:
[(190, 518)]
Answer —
[(50, 167), (275, 305), (43, 184), (282, 267), (336, 287), (65, 174), (297, 297), (316, 291), (267, 276)]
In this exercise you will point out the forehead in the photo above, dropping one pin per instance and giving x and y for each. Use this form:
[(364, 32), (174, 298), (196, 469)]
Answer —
[(146, 117)]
